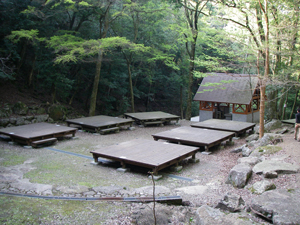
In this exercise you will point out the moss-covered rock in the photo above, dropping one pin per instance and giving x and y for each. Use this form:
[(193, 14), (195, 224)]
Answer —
[(57, 112), (5, 110), (20, 108), (269, 149)]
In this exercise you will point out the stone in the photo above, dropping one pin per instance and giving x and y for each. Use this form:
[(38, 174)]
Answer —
[(72, 189), (208, 215), (41, 118), (275, 166), (57, 112), (282, 131), (262, 186), (4, 122), (238, 149), (270, 138), (271, 174), (13, 120), (231, 203), (239, 175), (108, 190), (123, 170), (249, 160), (269, 149), (278, 206), (253, 137), (272, 125), (246, 151), (176, 168), (20, 121), (20, 108)]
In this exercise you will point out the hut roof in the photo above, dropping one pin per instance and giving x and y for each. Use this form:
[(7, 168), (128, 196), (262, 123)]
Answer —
[(227, 88)]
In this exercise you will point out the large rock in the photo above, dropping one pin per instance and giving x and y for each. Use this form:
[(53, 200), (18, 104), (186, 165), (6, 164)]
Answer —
[(270, 138), (57, 112), (262, 186), (249, 160), (253, 137), (246, 151), (20, 108), (239, 175), (274, 124), (269, 149), (268, 166), (4, 122), (41, 118), (207, 215), (279, 206)]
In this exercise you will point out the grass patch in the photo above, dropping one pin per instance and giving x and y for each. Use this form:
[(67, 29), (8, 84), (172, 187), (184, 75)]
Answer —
[(20, 210), (12, 158)]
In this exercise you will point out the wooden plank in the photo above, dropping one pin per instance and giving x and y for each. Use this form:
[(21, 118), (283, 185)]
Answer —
[(225, 125), (145, 153), (194, 136), (112, 129), (43, 141)]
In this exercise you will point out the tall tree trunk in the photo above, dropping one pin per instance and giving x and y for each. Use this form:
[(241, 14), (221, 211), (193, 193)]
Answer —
[(130, 86), (190, 83), (267, 69), (181, 101), (295, 99), (31, 72), (285, 105), (93, 102), (24, 48)]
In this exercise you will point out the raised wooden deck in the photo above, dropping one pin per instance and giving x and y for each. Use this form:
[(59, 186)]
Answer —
[(150, 118), (26, 134), (290, 121), (195, 136), (101, 124), (225, 125), (146, 153)]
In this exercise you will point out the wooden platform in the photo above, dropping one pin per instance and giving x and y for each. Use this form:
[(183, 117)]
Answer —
[(37, 133), (291, 121), (150, 118), (225, 125), (101, 124), (146, 153), (195, 136)]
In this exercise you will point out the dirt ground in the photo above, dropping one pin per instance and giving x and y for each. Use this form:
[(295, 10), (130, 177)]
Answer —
[(27, 171)]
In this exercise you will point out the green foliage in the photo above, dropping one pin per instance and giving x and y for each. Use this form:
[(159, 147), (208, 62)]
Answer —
[(30, 35)]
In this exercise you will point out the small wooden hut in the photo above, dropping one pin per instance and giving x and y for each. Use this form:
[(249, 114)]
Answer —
[(229, 96)]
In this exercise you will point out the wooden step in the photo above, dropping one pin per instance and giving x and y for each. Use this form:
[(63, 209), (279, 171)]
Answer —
[(108, 130), (152, 122), (43, 141)]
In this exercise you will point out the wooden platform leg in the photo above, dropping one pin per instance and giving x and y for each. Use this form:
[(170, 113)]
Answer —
[(95, 158), (123, 168)]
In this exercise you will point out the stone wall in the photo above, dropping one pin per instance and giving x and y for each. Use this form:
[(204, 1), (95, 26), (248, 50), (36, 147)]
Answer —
[(20, 114)]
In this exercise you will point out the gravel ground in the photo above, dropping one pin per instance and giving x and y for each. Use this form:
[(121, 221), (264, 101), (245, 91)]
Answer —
[(73, 176)]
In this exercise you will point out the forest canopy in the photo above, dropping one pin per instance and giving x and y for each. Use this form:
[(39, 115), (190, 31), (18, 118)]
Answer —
[(114, 56)]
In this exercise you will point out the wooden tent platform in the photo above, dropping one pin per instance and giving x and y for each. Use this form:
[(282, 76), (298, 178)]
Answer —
[(291, 121), (195, 136), (225, 125), (150, 118), (146, 153), (101, 124), (37, 133)]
